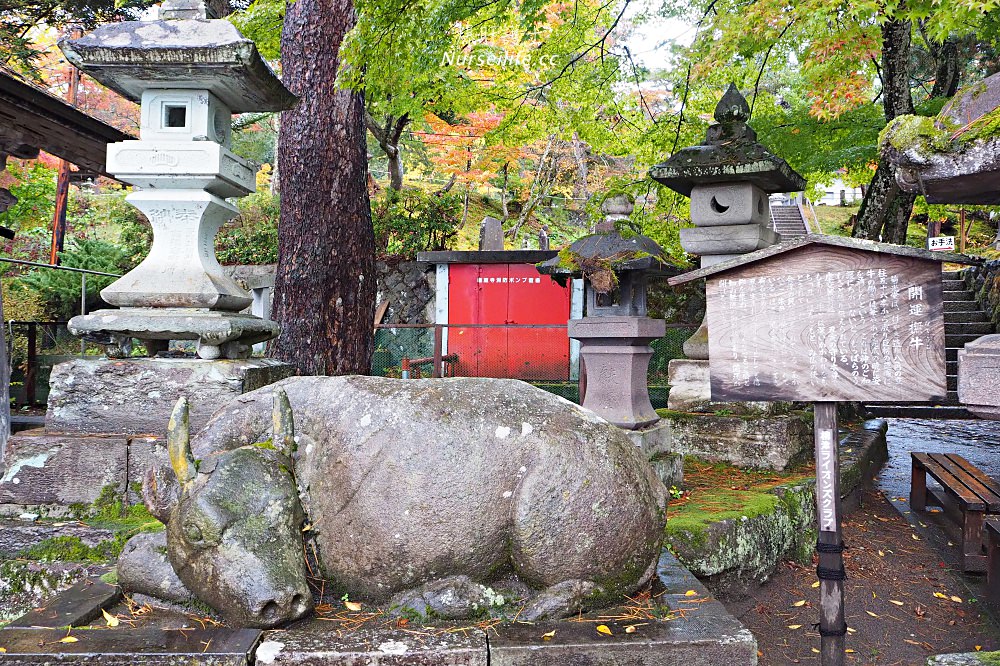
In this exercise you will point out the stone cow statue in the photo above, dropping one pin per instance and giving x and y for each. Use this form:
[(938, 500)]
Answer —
[(405, 490)]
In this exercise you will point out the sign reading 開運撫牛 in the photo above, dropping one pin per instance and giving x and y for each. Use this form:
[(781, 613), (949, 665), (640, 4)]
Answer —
[(826, 319)]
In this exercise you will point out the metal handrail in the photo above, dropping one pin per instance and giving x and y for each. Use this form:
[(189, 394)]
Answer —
[(56, 267)]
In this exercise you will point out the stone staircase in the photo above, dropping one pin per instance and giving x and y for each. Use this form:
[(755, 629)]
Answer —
[(964, 321), (788, 221)]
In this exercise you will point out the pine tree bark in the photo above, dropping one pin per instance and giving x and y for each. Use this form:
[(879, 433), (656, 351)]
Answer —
[(948, 73), (885, 209), (325, 284)]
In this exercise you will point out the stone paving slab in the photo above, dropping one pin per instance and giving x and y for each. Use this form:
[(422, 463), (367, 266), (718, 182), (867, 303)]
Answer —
[(74, 607), (127, 647), (316, 645)]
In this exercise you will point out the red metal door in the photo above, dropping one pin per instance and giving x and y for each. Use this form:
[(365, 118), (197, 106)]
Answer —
[(500, 295)]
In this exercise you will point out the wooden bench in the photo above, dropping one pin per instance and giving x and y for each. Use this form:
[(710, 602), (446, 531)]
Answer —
[(991, 529), (968, 494)]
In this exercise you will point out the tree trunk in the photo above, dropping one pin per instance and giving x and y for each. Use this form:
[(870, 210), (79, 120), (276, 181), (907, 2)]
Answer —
[(885, 210), (325, 284), (948, 74), (395, 168)]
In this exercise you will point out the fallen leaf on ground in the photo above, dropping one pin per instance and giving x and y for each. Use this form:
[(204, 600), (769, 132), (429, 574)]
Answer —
[(352, 606), (852, 630), (69, 639), (881, 554), (690, 593), (795, 626), (871, 613), (898, 603), (816, 584), (630, 629), (957, 600), (915, 537), (940, 596), (603, 629), (549, 636), (815, 650), (110, 619), (800, 603)]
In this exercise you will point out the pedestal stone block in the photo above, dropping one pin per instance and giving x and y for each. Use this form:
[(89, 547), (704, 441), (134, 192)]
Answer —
[(978, 369), (729, 203), (41, 468), (136, 396), (765, 442), (727, 239), (654, 442), (616, 353), (690, 388)]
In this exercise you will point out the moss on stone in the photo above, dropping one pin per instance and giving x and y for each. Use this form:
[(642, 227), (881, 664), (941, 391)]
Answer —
[(915, 133), (986, 126), (69, 549)]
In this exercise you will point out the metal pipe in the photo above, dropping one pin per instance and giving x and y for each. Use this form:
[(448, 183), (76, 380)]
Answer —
[(58, 268)]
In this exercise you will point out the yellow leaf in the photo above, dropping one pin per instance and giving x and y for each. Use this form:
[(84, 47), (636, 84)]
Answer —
[(690, 593), (307, 528), (800, 603), (795, 626), (957, 600), (881, 554), (950, 543), (352, 606), (852, 630), (849, 651), (549, 636), (816, 584), (871, 613), (940, 596), (603, 629), (69, 639), (2, 650), (630, 629), (978, 648), (915, 537), (110, 619), (815, 650), (893, 601)]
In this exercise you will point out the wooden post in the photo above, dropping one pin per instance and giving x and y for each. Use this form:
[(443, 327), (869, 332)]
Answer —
[(31, 373), (832, 622), (961, 228), (436, 372)]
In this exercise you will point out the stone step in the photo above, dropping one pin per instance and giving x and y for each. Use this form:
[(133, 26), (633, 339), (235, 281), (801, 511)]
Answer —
[(951, 354), (968, 328), (952, 383), (960, 339), (952, 275), (962, 306), (953, 285), (958, 296), (919, 411), (969, 317), (951, 368)]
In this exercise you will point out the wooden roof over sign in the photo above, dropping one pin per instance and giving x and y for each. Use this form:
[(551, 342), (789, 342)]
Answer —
[(819, 239), (31, 120)]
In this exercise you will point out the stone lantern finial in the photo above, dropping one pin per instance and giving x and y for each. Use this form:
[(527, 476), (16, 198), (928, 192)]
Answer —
[(732, 107)]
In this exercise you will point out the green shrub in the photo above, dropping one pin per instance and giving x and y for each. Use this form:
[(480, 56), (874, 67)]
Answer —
[(412, 220), (61, 289), (251, 238)]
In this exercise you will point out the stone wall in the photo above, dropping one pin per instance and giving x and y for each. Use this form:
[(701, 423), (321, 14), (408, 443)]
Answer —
[(407, 285), (984, 281)]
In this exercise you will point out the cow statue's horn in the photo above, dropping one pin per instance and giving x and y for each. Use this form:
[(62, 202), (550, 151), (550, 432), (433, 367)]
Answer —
[(283, 427), (179, 443)]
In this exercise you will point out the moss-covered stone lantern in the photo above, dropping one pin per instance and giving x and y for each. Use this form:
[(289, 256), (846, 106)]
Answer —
[(728, 177), (615, 332)]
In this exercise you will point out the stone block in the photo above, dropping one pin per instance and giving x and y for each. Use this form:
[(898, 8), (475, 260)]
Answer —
[(728, 239), (42, 468), (978, 373), (690, 388), (136, 396), (316, 645), (16, 536), (74, 607), (654, 441), (729, 203), (125, 646), (768, 442)]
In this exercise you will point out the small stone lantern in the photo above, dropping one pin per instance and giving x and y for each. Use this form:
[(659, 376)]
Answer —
[(615, 333), (728, 177), (191, 73)]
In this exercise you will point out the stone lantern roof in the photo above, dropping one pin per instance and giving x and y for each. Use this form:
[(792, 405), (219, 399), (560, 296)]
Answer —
[(955, 157), (193, 53), (729, 154), (608, 248)]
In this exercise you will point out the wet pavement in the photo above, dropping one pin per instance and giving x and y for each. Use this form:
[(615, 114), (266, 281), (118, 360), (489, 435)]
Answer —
[(978, 441)]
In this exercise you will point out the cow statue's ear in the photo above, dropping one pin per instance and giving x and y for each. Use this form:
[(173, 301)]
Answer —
[(179, 443), (283, 427)]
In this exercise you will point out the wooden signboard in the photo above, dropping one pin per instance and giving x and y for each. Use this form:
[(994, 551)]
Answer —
[(826, 320), (827, 323)]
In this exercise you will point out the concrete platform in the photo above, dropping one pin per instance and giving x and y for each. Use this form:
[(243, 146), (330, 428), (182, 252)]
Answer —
[(698, 632)]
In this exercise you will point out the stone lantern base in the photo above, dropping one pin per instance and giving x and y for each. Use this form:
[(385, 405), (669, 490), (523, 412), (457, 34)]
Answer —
[(219, 334), (616, 353), (978, 369)]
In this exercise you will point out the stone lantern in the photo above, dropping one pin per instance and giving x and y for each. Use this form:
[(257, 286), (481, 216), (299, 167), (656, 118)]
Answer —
[(190, 73), (728, 178), (615, 333)]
